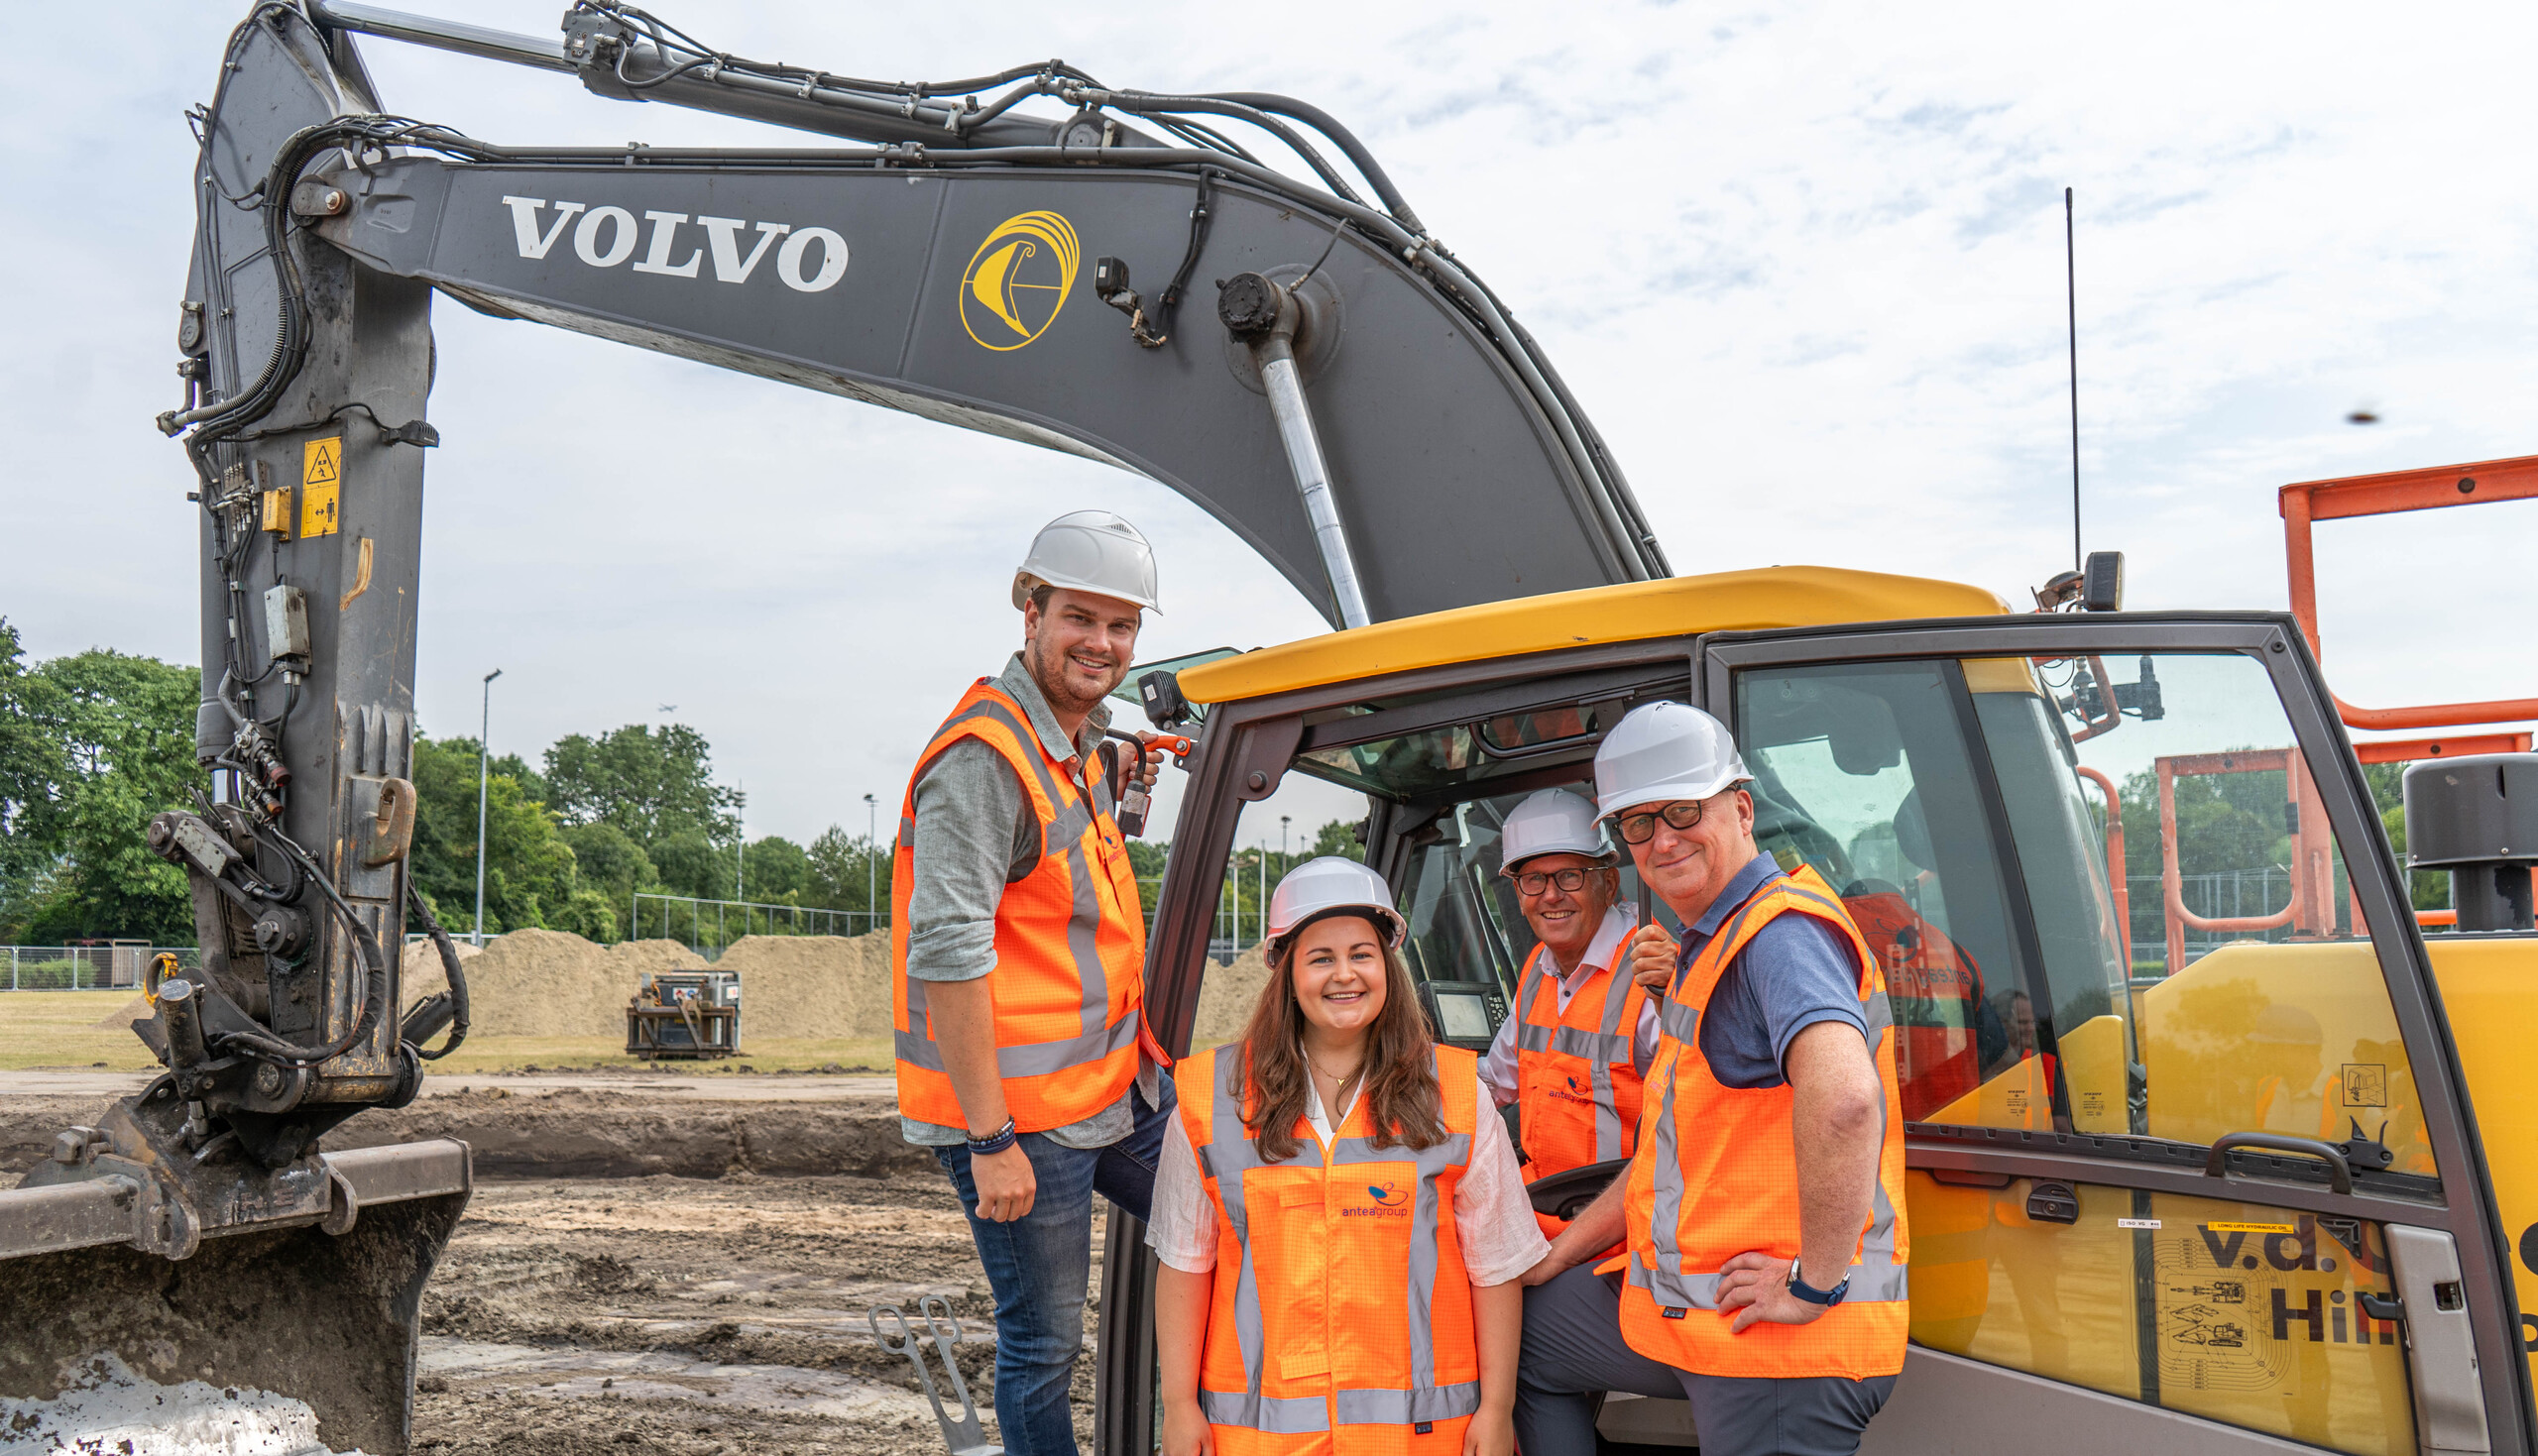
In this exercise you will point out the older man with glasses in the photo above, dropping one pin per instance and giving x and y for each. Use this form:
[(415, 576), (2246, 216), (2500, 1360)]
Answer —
[(1763, 1211), (1573, 1056)]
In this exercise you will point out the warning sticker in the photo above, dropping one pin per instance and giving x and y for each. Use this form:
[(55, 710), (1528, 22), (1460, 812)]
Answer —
[(2365, 1084), (321, 481), (2252, 1228)]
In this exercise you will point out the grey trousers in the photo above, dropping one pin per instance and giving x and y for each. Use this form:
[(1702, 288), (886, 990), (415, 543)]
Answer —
[(1573, 1351)]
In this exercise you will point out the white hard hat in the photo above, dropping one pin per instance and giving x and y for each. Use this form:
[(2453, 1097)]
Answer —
[(1329, 882), (1553, 822), (1089, 551), (1661, 753)]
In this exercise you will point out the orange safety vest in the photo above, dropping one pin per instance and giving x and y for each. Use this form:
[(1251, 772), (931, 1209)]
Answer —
[(1717, 1176), (1936, 991), (1341, 1321), (1070, 943), (1575, 1079)]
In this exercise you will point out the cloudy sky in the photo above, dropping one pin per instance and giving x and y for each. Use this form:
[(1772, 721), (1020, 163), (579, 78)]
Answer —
[(1803, 268)]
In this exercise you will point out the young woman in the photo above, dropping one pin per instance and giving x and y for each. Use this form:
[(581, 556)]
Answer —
[(1338, 1211)]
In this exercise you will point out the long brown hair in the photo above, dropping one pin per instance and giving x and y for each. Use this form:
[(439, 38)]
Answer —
[(1397, 1082)]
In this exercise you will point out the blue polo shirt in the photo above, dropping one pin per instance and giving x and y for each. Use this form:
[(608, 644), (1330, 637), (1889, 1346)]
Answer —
[(1795, 972)]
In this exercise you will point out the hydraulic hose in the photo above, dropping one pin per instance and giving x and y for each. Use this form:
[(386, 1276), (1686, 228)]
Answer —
[(449, 968)]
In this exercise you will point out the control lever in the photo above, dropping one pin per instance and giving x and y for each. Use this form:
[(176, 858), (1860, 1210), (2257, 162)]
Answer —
[(965, 1437), (1134, 804)]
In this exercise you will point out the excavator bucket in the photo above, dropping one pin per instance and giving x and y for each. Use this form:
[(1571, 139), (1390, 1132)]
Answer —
[(135, 1328)]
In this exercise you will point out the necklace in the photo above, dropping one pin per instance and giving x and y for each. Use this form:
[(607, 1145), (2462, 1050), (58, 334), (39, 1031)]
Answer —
[(1337, 1079)]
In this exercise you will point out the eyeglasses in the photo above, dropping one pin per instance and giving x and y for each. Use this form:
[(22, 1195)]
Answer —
[(1640, 828), (1534, 882)]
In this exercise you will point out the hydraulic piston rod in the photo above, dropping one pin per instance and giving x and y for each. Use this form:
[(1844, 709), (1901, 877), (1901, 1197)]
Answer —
[(1265, 315)]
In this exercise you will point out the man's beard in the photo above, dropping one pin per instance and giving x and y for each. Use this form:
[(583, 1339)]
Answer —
[(1059, 686)]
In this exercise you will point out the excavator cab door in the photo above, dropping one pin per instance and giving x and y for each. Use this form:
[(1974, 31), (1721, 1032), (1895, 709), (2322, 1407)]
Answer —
[(2191, 1163)]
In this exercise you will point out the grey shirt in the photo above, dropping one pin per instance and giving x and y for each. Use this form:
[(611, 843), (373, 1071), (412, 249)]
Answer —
[(976, 833)]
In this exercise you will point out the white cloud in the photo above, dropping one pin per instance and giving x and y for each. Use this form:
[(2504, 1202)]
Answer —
[(1802, 266)]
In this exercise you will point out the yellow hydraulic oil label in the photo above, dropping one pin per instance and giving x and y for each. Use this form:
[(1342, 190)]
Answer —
[(321, 484), (2252, 1228)]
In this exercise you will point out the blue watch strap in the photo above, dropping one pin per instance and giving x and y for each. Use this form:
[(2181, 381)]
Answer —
[(1814, 1296)]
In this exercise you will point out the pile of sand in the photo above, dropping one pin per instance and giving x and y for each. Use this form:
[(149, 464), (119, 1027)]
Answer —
[(548, 983), (136, 1009), (1227, 994)]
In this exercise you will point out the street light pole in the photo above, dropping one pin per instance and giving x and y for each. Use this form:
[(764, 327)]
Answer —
[(871, 854), (483, 782)]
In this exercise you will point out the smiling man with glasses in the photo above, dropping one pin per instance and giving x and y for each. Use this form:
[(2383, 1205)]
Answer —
[(1763, 1278), (1574, 1054)]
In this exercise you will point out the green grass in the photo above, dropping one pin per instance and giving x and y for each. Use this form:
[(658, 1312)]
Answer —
[(58, 1029)]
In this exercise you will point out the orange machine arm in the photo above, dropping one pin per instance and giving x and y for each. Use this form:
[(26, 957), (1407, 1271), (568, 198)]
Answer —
[(2384, 495)]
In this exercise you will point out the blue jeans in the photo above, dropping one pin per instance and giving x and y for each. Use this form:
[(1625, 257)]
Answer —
[(1040, 1264)]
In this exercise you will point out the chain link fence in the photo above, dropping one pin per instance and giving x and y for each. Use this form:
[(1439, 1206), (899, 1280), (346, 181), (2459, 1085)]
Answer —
[(85, 967)]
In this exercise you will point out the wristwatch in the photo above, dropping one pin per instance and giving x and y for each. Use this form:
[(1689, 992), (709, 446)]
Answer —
[(1814, 1296)]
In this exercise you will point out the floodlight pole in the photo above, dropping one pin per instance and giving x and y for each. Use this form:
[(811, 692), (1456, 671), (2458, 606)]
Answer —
[(871, 869), (483, 782)]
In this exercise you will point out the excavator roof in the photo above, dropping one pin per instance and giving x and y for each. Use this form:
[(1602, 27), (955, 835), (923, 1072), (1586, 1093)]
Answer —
[(1730, 601)]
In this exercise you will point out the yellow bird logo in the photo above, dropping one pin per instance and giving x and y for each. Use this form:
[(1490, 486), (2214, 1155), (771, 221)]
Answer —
[(1018, 279)]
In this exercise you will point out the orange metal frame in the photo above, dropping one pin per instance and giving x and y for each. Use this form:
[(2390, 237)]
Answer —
[(2309, 502), (2311, 908)]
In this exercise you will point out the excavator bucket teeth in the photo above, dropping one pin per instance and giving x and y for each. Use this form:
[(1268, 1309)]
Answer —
[(307, 1335)]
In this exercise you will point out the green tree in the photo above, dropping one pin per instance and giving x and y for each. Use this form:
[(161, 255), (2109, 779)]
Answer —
[(848, 872), (780, 870), (1340, 837), (29, 767), (692, 864), (610, 863), (651, 785), (103, 740), (532, 876)]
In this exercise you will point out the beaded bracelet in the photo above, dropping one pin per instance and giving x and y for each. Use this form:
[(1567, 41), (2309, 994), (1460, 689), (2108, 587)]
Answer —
[(994, 1142)]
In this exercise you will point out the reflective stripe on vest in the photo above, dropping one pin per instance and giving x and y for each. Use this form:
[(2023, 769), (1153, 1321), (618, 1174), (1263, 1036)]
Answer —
[(1745, 1193), (1212, 1097), (1065, 951), (1551, 1042)]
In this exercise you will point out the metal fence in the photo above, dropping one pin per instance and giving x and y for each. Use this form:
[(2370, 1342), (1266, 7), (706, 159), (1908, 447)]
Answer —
[(84, 967), (707, 927), (2231, 893)]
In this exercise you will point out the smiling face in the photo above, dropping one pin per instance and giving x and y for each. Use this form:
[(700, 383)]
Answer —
[(1337, 969), (1565, 921), (1689, 867), (1078, 646)]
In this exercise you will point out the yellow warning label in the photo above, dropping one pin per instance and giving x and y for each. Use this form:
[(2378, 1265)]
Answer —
[(321, 482), (2252, 1228)]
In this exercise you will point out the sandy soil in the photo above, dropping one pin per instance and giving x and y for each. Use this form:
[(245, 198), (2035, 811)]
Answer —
[(648, 1271)]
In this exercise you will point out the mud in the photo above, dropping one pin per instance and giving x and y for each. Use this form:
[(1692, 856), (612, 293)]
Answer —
[(641, 1273)]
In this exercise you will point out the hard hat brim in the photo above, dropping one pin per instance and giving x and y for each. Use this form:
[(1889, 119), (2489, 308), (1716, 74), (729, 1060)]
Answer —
[(1383, 915), (1025, 584), (1609, 857)]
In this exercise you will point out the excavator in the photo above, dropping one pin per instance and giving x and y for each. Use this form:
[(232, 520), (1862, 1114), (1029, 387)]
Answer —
[(2223, 1156)]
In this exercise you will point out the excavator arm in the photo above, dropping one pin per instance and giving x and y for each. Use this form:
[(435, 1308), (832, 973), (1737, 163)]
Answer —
[(1107, 273)]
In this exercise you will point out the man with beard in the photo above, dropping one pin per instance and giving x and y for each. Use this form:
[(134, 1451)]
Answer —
[(1018, 950)]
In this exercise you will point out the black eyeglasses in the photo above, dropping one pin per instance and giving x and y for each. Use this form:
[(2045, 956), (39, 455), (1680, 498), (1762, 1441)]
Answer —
[(1534, 881), (1639, 828)]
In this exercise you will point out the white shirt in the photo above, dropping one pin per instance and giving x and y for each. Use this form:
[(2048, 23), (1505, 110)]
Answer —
[(1493, 1220), (1498, 1068)]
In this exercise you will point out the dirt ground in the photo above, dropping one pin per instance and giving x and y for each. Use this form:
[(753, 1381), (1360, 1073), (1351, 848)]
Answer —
[(648, 1269)]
